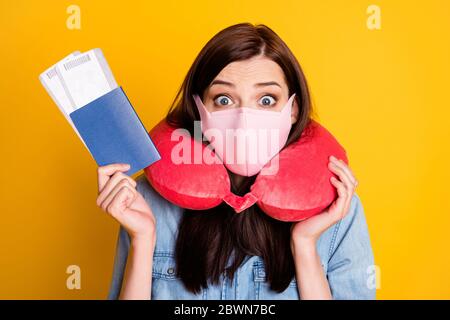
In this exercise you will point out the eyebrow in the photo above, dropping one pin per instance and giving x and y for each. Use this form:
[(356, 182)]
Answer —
[(260, 84)]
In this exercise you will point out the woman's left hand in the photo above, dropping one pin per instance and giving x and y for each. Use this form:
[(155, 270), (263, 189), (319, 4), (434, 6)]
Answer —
[(309, 230)]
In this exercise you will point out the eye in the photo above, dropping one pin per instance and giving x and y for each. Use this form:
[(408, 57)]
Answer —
[(267, 101), (222, 100)]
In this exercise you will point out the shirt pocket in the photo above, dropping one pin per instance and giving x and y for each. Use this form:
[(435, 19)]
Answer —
[(263, 291), (165, 284)]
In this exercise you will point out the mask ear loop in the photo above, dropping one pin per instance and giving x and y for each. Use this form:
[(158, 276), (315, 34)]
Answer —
[(289, 104), (204, 113)]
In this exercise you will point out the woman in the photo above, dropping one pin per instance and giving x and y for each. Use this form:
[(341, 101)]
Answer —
[(166, 252)]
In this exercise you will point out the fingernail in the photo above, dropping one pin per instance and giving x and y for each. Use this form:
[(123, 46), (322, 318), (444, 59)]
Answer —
[(127, 165)]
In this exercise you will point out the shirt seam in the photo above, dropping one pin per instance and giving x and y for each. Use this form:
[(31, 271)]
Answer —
[(333, 238)]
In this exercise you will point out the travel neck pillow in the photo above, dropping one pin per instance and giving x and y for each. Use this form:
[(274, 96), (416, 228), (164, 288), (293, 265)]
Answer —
[(299, 189)]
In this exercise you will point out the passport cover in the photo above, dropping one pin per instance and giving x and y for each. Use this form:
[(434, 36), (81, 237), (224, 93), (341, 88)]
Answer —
[(113, 132)]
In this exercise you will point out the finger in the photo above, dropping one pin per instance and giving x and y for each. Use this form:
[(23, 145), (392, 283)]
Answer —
[(342, 176), (111, 183), (349, 172), (124, 183), (113, 208), (104, 172), (120, 201), (106, 202), (346, 202), (341, 164), (338, 205), (344, 168)]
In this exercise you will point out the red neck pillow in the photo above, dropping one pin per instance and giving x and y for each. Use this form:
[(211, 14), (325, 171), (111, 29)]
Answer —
[(299, 189)]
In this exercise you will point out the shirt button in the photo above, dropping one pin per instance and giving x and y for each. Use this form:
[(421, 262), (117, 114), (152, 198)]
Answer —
[(170, 270)]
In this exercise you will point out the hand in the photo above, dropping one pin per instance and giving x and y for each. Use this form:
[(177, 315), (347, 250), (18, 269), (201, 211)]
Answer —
[(118, 197), (308, 231)]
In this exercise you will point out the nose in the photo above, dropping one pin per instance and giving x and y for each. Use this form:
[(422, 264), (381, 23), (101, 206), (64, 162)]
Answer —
[(247, 102)]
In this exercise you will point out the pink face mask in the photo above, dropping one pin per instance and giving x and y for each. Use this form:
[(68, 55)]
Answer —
[(245, 138)]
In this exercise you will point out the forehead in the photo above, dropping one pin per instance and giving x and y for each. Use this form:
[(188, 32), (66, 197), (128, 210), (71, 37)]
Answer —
[(254, 70)]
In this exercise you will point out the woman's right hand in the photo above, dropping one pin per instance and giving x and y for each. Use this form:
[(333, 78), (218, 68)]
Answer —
[(118, 197)]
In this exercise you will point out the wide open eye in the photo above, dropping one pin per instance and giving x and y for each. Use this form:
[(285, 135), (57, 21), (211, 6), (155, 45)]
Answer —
[(267, 101), (223, 100)]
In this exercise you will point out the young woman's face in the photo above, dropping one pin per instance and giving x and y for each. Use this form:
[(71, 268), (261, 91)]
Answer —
[(256, 83)]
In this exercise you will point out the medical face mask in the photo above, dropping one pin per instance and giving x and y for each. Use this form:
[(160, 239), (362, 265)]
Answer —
[(245, 138)]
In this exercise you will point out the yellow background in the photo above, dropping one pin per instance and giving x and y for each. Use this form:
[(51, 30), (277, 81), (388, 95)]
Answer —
[(383, 93)]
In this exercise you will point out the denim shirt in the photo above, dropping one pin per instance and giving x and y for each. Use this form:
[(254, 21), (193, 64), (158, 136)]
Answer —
[(344, 249)]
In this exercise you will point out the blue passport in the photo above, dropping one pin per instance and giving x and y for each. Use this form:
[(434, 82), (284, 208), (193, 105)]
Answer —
[(113, 132)]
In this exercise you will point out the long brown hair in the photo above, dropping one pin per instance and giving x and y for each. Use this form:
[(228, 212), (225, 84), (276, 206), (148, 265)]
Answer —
[(206, 239)]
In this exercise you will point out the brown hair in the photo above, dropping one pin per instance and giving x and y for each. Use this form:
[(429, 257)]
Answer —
[(207, 238)]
